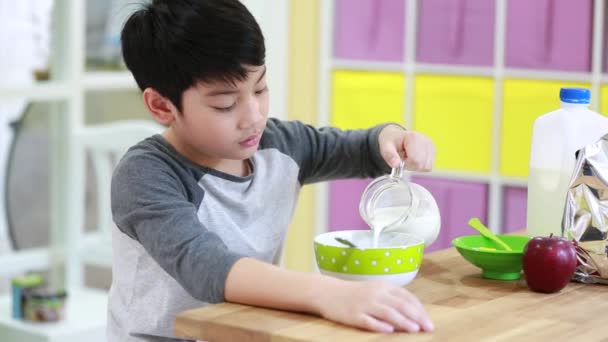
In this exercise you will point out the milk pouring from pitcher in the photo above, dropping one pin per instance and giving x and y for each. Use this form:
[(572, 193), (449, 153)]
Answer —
[(389, 203)]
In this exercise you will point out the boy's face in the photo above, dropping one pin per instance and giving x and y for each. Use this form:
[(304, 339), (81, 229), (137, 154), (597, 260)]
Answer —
[(221, 124)]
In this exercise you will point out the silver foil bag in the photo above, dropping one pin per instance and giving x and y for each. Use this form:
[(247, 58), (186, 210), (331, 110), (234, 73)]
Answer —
[(586, 212)]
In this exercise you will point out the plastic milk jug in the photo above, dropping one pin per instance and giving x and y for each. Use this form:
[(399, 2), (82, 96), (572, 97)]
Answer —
[(556, 137)]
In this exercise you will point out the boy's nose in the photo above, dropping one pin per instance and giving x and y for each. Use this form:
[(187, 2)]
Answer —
[(252, 114)]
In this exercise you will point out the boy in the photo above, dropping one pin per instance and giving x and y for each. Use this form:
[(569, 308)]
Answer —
[(202, 210)]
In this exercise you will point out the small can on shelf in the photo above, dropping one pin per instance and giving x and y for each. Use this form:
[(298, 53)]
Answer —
[(44, 304), (20, 285)]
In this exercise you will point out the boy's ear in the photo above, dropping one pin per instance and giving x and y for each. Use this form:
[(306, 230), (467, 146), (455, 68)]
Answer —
[(161, 107)]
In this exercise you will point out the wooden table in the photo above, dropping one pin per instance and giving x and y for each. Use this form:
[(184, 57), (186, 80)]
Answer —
[(462, 305)]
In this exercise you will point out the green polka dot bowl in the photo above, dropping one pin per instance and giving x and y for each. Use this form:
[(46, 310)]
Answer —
[(396, 259)]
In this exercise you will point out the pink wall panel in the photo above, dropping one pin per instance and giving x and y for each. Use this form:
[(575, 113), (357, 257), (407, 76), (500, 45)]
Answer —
[(369, 29), (456, 32), (344, 196), (514, 209), (458, 201), (549, 34)]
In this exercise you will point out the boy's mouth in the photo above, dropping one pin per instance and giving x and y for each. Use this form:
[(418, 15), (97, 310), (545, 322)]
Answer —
[(250, 141)]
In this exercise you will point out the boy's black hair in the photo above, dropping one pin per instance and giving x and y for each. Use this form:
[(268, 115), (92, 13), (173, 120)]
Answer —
[(171, 45)]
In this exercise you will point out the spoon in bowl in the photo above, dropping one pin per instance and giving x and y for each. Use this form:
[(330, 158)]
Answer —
[(345, 242), (476, 224)]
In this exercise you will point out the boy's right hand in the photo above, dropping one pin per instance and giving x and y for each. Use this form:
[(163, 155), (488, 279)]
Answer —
[(375, 306)]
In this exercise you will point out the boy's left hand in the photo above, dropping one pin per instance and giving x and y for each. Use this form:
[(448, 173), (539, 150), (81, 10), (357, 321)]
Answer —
[(416, 149)]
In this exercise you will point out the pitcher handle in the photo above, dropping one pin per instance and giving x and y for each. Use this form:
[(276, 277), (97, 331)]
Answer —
[(397, 172)]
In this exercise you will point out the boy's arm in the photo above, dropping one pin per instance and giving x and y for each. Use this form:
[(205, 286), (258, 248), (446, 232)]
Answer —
[(151, 205), (329, 153), (375, 306)]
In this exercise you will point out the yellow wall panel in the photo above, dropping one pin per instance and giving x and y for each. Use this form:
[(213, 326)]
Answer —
[(604, 100), (523, 102), (362, 99), (302, 105), (456, 112)]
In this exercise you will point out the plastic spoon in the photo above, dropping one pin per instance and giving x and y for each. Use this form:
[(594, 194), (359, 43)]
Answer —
[(345, 242), (483, 230)]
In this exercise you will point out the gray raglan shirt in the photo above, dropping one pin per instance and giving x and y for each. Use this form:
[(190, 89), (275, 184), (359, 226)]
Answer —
[(181, 226)]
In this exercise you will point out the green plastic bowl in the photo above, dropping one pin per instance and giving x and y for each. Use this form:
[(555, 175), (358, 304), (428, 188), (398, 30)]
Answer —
[(397, 260), (494, 264)]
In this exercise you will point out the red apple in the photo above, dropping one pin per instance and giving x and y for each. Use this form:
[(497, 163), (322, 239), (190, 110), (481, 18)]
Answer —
[(549, 263)]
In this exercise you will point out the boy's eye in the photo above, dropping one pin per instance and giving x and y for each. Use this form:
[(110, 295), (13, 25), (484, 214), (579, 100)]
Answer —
[(259, 92), (225, 109)]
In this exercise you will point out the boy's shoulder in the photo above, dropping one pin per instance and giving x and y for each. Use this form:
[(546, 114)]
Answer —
[(151, 150), (153, 170), (152, 158)]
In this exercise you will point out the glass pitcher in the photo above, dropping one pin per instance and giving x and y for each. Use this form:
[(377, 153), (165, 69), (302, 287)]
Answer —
[(391, 203)]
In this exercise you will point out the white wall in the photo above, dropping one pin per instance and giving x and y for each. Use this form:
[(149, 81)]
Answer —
[(273, 19)]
